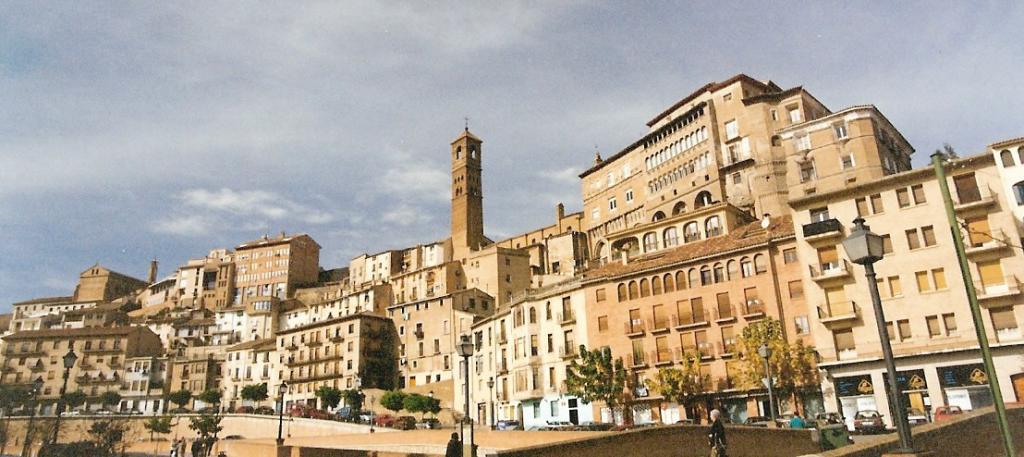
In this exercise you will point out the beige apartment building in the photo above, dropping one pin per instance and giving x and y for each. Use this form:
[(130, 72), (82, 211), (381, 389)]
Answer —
[(142, 388), (930, 324), (717, 144), (656, 310), (248, 363), (342, 352), (102, 355), (195, 368), (207, 282), (270, 269)]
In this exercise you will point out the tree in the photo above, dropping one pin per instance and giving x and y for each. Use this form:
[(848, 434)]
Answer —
[(110, 398), (353, 398), (596, 376), (161, 425), (74, 399), (682, 385), (180, 397), (329, 397), (106, 435), (207, 426), (416, 403), (793, 365), (210, 396), (255, 392), (393, 400), (10, 397)]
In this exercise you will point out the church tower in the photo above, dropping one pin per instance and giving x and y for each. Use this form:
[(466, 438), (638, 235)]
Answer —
[(467, 195)]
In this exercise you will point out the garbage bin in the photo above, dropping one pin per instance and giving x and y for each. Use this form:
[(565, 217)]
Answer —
[(833, 436)]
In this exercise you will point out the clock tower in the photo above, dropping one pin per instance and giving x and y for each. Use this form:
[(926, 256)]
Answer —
[(467, 195)]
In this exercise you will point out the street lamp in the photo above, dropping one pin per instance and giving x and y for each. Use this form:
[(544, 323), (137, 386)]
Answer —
[(465, 350), (69, 362), (766, 353), (865, 248), (281, 390), (37, 386), (490, 399)]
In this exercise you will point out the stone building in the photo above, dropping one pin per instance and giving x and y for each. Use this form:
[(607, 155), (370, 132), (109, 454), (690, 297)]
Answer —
[(249, 363)]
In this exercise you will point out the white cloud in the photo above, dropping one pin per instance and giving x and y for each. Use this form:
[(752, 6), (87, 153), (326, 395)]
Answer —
[(406, 215), (202, 212), (183, 225)]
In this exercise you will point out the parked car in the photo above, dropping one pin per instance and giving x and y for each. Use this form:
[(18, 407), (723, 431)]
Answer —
[(560, 425), (868, 421), (104, 412), (916, 416), (244, 410), (405, 423), (265, 410), (596, 426), (73, 412), (823, 419), (234, 437), (782, 421), (757, 421), (384, 420), (429, 423), (947, 412), (509, 425)]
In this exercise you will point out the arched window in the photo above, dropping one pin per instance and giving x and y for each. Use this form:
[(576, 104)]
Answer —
[(1006, 158), (691, 232), (658, 216), (670, 285), (671, 237), (518, 319), (732, 269), (1018, 193), (533, 315), (705, 275), (711, 227), (703, 199), (679, 208), (622, 292), (633, 290), (694, 280), (719, 273), (645, 288), (599, 250), (458, 152), (746, 267), (656, 285), (759, 266), (1020, 155), (472, 152), (650, 242)]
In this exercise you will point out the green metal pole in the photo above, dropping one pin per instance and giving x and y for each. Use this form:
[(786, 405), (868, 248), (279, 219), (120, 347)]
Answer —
[(972, 299)]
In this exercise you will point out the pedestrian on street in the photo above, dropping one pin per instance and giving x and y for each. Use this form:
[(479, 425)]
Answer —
[(197, 448), (454, 447), (797, 422), (716, 439)]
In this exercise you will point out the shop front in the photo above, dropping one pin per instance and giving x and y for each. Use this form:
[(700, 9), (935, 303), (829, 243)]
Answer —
[(965, 386), (856, 393), (914, 391)]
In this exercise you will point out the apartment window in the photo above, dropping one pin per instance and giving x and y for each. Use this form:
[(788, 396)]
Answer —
[(939, 278), (918, 191), (1004, 322), (611, 179), (949, 320), (876, 204), (886, 244), (599, 295), (775, 115), (844, 340), (895, 287), (629, 195), (928, 233), (612, 204), (551, 337), (789, 255), (737, 178), (802, 325), (934, 329), (595, 214), (727, 97), (862, 207), (923, 284), (991, 273), (803, 143), (904, 328), (819, 214), (796, 289), (903, 198), (913, 241), (650, 242), (732, 130), (846, 161), (840, 130), (794, 114)]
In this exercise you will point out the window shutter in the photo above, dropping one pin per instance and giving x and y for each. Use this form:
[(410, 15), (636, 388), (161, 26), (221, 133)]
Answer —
[(991, 273), (1003, 318), (844, 340)]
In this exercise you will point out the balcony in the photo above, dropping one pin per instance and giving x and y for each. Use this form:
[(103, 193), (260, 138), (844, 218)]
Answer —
[(688, 321), (502, 368), (830, 270), (312, 343), (968, 199), (419, 334), (502, 338), (98, 350), (753, 309), (567, 352), (337, 339), (662, 357), (705, 350), (727, 348), (659, 325), (833, 313), (979, 244), (567, 318), (724, 314), (528, 394), (634, 328), (822, 230), (994, 293), (636, 361)]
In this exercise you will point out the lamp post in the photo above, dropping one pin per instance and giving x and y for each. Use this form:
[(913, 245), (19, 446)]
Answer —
[(490, 399), (766, 353), (69, 362), (465, 350), (281, 390), (37, 385), (865, 248)]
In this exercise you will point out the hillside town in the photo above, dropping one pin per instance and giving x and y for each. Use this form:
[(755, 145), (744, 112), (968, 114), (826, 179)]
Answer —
[(727, 215)]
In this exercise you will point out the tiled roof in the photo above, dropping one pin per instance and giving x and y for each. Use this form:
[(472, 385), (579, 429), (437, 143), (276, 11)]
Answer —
[(1007, 142), (72, 332), (267, 343), (35, 301), (741, 237)]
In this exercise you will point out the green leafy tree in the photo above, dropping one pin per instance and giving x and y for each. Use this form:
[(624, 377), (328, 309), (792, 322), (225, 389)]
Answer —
[(107, 435), (207, 426), (180, 397), (393, 400), (683, 385), (255, 392), (157, 425), (329, 397), (110, 398), (595, 376), (210, 396), (793, 364), (74, 399), (416, 403), (353, 398)]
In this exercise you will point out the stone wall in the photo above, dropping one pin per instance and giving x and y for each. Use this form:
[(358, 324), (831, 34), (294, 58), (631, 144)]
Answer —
[(973, 434), (677, 441)]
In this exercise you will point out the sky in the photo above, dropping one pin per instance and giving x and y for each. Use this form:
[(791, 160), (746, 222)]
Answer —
[(138, 130)]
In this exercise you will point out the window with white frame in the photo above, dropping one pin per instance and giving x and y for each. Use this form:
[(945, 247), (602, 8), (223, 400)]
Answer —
[(629, 195), (794, 114), (803, 142), (846, 161), (732, 130), (612, 204), (840, 130), (611, 179)]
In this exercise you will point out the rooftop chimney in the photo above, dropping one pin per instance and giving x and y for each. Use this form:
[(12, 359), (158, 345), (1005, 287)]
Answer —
[(560, 211), (152, 271)]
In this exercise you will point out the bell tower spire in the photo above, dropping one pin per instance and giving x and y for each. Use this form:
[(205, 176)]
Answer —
[(467, 194)]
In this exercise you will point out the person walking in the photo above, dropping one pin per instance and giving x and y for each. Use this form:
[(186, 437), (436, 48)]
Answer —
[(454, 447), (716, 438), (797, 422), (197, 448)]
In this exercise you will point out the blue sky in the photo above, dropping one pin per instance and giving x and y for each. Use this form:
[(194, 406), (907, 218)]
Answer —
[(130, 131)]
